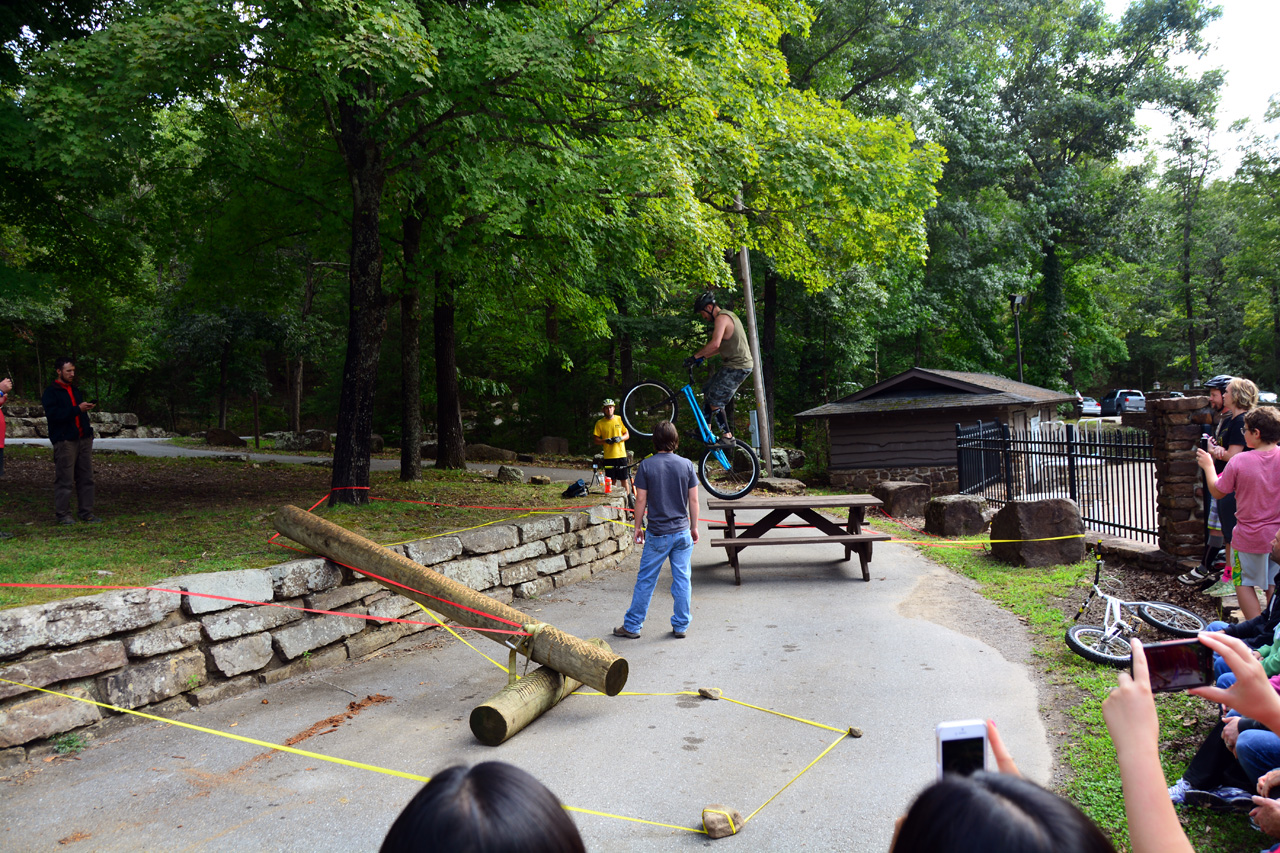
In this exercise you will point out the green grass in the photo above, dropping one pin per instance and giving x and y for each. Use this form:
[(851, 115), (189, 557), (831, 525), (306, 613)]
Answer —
[(167, 517), (1046, 599)]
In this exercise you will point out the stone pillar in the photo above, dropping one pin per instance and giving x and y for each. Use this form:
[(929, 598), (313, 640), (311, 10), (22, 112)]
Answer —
[(1176, 426)]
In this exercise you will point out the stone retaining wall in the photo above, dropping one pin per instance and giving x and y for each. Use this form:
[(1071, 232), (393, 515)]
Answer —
[(163, 652), (942, 479), (30, 422)]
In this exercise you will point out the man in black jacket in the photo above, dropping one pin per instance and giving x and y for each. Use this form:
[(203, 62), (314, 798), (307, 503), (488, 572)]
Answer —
[(72, 440)]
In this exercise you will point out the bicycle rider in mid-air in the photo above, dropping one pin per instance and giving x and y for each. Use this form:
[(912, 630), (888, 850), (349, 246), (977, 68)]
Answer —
[(729, 340)]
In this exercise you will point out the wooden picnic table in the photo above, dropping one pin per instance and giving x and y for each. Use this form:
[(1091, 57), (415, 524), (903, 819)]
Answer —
[(806, 508)]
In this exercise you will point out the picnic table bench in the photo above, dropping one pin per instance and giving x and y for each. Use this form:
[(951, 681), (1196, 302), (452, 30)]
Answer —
[(806, 508)]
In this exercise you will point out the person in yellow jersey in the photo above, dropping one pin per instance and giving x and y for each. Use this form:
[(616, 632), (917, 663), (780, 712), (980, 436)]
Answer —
[(611, 434)]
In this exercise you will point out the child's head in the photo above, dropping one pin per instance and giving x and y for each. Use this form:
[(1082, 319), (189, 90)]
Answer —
[(489, 807), (1265, 421), (665, 437), (1242, 394), (989, 812)]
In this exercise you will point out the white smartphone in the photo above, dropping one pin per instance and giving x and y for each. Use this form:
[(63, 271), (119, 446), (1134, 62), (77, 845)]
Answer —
[(962, 747)]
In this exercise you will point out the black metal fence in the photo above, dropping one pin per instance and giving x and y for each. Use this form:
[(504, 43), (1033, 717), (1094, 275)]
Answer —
[(1110, 473)]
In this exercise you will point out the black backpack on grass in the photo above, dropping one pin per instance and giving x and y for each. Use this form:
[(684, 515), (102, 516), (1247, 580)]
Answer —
[(575, 490)]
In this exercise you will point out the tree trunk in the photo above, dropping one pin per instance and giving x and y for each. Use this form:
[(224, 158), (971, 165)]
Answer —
[(366, 169), (224, 363), (410, 369), (1185, 263), (768, 341), (451, 451)]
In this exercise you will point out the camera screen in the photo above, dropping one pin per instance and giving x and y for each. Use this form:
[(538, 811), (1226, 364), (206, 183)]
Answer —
[(1179, 665), (963, 756)]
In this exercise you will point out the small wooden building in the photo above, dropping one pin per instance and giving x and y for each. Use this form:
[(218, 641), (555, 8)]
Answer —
[(904, 427)]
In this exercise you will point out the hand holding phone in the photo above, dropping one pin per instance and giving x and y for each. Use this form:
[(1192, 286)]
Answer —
[(962, 747), (1179, 665)]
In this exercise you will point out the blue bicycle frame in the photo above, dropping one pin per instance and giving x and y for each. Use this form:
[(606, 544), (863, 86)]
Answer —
[(704, 428)]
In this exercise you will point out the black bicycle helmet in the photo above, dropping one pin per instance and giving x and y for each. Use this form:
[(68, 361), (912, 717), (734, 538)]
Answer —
[(1221, 381), (704, 299)]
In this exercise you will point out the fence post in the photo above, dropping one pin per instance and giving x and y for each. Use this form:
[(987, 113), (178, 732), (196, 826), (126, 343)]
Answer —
[(1008, 461), (959, 463), (1072, 491)]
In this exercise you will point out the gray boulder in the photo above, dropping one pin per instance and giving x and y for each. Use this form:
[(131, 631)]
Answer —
[(902, 499), (510, 474), (955, 515), (223, 438), (1030, 531), (485, 453)]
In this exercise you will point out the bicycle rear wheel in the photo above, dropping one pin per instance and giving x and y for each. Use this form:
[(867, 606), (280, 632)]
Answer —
[(1171, 618), (647, 404), (1092, 643), (729, 472)]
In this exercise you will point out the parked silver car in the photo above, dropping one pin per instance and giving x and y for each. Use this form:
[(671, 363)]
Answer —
[(1089, 407), (1123, 400)]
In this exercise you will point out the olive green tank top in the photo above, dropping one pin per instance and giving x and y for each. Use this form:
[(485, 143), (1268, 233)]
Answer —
[(736, 351)]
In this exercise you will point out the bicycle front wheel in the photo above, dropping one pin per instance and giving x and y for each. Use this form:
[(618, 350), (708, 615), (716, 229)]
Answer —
[(647, 404), (1171, 618), (1092, 643), (729, 472)]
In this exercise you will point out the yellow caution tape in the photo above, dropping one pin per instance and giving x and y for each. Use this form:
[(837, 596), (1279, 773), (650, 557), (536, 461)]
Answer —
[(268, 745), (797, 776), (458, 637)]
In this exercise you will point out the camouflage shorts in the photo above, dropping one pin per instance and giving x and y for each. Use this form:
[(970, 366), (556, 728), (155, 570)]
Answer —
[(721, 386)]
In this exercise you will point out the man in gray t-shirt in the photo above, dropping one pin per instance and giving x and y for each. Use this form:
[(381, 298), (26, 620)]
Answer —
[(667, 489)]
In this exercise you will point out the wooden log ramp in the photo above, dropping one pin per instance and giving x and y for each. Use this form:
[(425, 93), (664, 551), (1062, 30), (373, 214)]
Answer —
[(521, 702), (566, 654)]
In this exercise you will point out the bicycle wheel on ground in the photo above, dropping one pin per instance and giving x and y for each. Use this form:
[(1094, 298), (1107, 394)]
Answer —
[(729, 473), (647, 404), (1171, 618), (1092, 643)]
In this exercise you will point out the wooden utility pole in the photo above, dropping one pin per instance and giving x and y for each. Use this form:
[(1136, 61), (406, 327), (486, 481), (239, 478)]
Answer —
[(565, 653), (757, 373)]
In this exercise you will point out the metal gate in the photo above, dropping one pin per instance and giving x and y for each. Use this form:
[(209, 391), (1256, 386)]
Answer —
[(1110, 473)]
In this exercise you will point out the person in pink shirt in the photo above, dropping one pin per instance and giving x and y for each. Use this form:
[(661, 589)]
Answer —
[(1254, 478)]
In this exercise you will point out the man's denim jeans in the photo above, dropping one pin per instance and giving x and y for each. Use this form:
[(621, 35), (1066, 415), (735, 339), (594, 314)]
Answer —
[(679, 547)]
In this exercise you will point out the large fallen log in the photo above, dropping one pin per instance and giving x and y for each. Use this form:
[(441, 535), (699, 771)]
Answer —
[(565, 653), (522, 702)]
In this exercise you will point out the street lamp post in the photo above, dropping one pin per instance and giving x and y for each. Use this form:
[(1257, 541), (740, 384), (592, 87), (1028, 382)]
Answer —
[(1016, 301)]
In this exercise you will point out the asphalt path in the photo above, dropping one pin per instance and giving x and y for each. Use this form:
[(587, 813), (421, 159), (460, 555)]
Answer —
[(803, 636), (162, 447)]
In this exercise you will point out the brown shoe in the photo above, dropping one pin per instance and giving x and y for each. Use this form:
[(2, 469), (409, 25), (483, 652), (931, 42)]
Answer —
[(623, 632)]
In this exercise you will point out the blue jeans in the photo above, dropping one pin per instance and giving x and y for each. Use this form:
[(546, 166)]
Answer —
[(1258, 751), (679, 547), (1219, 665)]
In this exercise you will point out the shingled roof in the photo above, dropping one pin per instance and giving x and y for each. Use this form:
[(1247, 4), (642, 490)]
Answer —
[(919, 388)]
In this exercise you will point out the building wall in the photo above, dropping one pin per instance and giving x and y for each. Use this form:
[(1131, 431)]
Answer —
[(922, 437)]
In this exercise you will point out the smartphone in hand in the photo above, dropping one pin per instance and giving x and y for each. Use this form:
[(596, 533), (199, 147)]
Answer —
[(962, 747), (1179, 665)]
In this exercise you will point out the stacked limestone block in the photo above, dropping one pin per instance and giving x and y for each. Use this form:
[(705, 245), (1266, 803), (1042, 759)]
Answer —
[(1176, 427), (163, 653)]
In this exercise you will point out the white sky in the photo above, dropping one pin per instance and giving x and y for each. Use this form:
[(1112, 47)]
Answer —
[(1244, 45)]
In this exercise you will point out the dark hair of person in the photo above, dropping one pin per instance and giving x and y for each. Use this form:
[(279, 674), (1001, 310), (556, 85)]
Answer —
[(665, 437), (996, 813), (1266, 420), (62, 360), (485, 809)]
